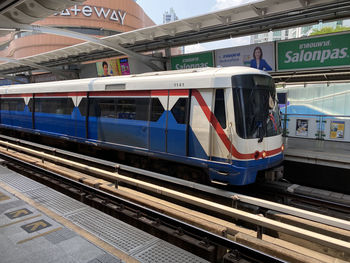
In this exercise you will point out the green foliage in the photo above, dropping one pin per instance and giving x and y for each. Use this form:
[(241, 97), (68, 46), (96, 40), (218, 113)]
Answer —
[(328, 30)]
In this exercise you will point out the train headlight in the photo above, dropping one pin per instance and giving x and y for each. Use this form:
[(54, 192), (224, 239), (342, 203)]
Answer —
[(264, 154), (282, 147)]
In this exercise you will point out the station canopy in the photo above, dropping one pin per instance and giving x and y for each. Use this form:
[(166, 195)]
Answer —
[(255, 17), (30, 11)]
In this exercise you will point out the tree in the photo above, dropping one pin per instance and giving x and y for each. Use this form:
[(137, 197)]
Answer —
[(328, 30)]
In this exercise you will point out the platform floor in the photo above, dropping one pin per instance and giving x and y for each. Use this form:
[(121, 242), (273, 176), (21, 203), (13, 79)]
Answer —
[(320, 152), (38, 224)]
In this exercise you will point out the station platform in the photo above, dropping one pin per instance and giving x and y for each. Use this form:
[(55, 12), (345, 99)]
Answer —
[(39, 224), (318, 152)]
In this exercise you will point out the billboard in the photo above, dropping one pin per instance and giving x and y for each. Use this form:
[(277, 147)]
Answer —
[(198, 60), (261, 56), (107, 68), (123, 66), (113, 67), (315, 52)]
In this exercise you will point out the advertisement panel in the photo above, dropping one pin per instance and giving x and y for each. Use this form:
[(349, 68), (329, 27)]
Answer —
[(261, 56), (302, 127), (198, 60), (107, 68), (337, 129), (123, 66), (316, 52)]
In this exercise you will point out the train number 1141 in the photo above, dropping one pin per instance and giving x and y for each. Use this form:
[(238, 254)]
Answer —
[(179, 85)]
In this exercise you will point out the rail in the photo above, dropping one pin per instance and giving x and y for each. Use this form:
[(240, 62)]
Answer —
[(257, 220)]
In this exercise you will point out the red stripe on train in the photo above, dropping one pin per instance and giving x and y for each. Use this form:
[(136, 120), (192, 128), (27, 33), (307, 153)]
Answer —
[(142, 93), (63, 94), (221, 133), (16, 95), (180, 92)]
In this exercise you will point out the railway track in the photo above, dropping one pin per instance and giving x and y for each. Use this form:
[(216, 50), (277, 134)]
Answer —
[(288, 233)]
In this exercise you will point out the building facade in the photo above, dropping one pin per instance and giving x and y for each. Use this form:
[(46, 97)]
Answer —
[(97, 18), (169, 16)]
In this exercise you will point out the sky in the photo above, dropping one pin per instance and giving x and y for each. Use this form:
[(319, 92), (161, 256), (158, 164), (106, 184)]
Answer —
[(185, 8), (190, 8)]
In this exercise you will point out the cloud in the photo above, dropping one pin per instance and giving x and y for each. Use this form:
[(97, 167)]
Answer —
[(222, 4), (241, 41), (194, 48), (233, 42)]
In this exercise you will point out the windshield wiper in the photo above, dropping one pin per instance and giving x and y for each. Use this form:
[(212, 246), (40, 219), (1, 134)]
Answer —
[(260, 131)]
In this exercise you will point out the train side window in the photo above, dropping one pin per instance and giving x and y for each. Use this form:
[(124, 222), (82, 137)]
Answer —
[(133, 109), (63, 106), (94, 107), (117, 108), (82, 107), (126, 109), (219, 111), (179, 110), (12, 104), (30, 105), (108, 108), (157, 109), (142, 109)]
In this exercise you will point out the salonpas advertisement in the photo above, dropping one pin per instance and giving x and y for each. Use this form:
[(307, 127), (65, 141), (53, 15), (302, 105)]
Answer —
[(316, 52), (199, 60), (260, 56)]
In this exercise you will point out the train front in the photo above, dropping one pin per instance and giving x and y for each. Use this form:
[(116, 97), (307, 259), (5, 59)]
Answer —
[(255, 134)]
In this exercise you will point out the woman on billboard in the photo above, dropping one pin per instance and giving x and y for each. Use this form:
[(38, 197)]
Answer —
[(105, 69), (258, 62)]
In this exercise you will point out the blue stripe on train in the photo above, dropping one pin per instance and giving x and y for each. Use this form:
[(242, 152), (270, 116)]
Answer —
[(17, 118), (128, 134), (241, 172), (71, 125)]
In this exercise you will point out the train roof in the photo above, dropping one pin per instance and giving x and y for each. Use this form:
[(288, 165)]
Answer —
[(175, 79)]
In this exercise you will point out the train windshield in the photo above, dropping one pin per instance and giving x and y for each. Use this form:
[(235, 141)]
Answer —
[(255, 105)]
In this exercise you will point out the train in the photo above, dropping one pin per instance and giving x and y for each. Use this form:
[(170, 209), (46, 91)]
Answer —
[(225, 121)]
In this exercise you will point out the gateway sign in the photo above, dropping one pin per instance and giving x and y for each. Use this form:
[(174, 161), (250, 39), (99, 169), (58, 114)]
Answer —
[(317, 52), (101, 12)]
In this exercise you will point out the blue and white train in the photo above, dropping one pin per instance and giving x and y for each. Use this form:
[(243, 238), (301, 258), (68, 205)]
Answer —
[(223, 120)]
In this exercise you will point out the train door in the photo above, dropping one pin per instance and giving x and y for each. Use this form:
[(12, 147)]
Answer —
[(158, 121), (199, 139), (177, 122), (222, 132), (169, 122)]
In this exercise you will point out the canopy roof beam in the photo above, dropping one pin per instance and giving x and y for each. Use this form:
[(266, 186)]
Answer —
[(13, 78), (57, 72), (147, 60)]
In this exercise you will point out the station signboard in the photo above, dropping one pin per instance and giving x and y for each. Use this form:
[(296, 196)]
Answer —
[(261, 56), (314, 52), (198, 60)]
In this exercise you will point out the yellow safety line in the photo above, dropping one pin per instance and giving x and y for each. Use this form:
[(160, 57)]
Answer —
[(4, 197), (40, 235), (19, 221)]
